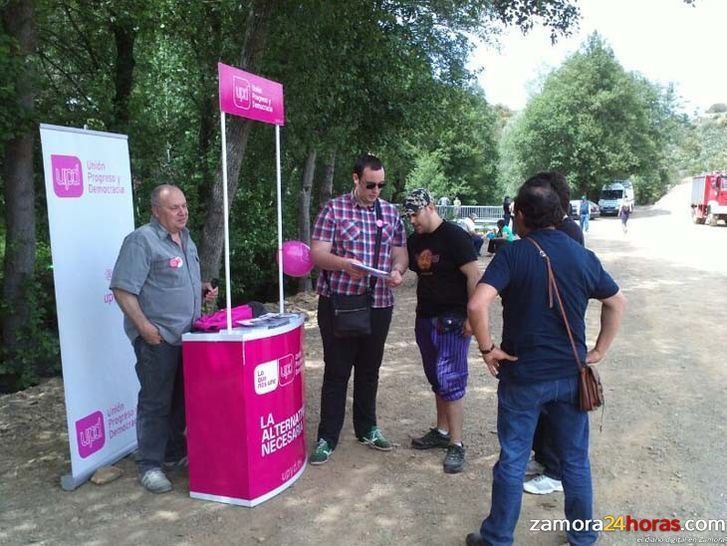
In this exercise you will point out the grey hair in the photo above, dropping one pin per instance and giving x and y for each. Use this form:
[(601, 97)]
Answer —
[(156, 193)]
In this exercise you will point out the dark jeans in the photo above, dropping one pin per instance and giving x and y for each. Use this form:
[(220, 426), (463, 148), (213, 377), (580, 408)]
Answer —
[(160, 420), (494, 245), (478, 242), (518, 408), (364, 355), (543, 448)]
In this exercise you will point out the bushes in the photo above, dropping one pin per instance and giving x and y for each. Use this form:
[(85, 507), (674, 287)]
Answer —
[(39, 353)]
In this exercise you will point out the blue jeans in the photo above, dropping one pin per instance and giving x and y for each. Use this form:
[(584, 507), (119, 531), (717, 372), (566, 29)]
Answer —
[(518, 408), (477, 241), (584, 221), (160, 419)]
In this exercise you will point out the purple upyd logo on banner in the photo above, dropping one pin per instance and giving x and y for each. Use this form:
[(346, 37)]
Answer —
[(67, 175), (286, 370), (90, 434), (249, 96)]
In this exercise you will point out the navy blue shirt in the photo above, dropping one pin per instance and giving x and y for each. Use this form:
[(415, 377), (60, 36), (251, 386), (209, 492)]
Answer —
[(573, 230), (532, 331)]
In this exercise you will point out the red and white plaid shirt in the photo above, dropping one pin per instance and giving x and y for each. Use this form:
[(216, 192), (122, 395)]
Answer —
[(351, 228)]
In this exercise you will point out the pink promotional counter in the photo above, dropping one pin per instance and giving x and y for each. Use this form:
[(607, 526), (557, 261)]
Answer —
[(245, 403)]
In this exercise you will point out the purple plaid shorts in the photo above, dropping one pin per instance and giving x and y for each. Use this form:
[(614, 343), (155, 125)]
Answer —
[(444, 357)]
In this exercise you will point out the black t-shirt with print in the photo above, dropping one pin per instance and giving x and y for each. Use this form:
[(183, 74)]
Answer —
[(436, 258)]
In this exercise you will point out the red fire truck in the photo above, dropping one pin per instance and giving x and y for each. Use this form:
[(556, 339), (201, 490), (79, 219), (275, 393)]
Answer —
[(709, 198)]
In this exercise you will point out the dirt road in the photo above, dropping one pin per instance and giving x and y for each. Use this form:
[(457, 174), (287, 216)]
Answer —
[(661, 453)]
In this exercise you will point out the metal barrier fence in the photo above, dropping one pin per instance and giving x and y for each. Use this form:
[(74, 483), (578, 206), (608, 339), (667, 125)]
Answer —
[(487, 215)]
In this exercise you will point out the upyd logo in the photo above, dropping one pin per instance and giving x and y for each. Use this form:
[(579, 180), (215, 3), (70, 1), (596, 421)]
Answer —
[(286, 370), (67, 175), (241, 92), (90, 434)]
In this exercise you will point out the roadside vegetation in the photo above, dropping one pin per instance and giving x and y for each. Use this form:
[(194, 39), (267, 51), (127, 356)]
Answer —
[(387, 77)]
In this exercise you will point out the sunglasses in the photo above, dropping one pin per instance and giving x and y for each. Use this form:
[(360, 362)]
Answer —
[(372, 185)]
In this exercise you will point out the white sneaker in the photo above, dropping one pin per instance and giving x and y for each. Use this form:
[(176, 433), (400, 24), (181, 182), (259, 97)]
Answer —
[(542, 485), (534, 467), (155, 481)]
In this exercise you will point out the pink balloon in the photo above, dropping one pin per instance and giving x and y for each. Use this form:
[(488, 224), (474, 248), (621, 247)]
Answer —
[(297, 261)]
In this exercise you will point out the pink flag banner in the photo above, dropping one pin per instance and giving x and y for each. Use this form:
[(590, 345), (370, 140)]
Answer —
[(249, 96)]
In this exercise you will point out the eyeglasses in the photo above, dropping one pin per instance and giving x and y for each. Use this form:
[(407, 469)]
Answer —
[(372, 185)]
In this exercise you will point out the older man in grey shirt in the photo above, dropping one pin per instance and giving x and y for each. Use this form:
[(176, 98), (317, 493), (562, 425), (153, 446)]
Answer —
[(156, 282)]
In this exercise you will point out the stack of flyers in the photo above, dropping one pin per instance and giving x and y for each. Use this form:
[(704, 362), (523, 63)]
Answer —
[(268, 320), (373, 271)]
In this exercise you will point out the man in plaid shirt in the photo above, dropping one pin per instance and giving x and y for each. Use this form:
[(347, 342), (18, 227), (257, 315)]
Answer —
[(344, 236)]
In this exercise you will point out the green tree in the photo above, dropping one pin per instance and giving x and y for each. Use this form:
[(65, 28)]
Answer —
[(595, 122), (18, 39)]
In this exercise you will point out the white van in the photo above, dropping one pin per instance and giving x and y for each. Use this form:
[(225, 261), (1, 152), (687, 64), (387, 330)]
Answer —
[(614, 194)]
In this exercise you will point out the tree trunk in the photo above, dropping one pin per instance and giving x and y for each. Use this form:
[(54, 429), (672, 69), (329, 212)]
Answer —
[(399, 190), (124, 37), (238, 132), (304, 283), (18, 189), (329, 168), (208, 106)]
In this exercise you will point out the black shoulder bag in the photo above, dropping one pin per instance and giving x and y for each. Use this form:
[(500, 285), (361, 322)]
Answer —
[(352, 314)]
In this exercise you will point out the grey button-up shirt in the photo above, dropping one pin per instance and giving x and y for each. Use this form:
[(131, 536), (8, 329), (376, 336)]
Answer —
[(164, 277)]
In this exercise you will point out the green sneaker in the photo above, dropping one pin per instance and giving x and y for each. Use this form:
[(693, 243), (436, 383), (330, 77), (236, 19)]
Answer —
[(321, 454), (376, 440)]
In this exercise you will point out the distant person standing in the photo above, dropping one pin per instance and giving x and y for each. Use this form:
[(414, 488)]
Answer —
[(443, 201), (446, 266), (507, 210), (624, 212), (457, 204), (584, 212)]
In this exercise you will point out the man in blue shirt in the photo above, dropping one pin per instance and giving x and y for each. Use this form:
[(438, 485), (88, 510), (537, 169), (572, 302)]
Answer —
[(543, 470), (535, 362), (584, 212)]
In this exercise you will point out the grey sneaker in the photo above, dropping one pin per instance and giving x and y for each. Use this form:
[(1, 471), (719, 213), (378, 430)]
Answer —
[(155, 481), (322, 453), (542, 485), (454, 459), (431, 440), (376, 440)]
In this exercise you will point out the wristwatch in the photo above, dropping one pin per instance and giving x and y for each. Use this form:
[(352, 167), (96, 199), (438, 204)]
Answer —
[(487, 351)]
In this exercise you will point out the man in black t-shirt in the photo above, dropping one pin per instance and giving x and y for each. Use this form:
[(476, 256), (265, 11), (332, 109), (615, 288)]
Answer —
[(442, 256)]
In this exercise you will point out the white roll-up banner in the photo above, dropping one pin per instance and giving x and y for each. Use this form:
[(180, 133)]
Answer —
[(90, 211)]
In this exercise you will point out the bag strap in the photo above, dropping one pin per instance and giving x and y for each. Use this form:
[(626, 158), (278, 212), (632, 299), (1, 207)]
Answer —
[(553, 289), (377, 248)]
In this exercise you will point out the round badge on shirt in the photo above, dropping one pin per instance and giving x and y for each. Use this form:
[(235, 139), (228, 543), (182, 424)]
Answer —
[(176, 262)]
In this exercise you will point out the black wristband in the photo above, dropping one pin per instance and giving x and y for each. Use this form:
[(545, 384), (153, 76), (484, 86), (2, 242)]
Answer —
[(487, 351)]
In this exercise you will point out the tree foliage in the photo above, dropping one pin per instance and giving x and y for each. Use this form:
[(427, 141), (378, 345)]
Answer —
[(594, 122), (387, 77)]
